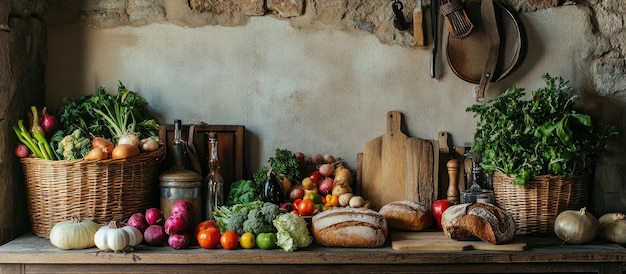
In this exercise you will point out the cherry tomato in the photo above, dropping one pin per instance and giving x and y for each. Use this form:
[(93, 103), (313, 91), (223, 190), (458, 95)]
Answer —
[(229, 240), (208, 238), (204, 225), (315, 176), (295, 204), (306, 207)]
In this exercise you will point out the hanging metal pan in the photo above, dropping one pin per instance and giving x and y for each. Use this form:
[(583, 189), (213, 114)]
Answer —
[(467, 57)]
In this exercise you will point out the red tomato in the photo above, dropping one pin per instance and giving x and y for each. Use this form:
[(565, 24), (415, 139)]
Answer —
[(208, 238), (315, 176), (229, 240), (438, 208), (204, 225), (306, 207)]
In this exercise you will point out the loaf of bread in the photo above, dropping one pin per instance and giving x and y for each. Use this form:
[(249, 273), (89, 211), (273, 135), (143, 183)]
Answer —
[(349, 227), (407, 215), (475, 221)]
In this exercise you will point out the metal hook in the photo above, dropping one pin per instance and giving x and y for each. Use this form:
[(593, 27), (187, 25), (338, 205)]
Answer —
[(399, 22)]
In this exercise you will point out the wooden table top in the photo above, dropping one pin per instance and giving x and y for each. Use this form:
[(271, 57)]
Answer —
[(30, 249)]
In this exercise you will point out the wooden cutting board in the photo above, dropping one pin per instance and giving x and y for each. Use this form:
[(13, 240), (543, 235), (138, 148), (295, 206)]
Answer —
[(437, 241), (397, 167)]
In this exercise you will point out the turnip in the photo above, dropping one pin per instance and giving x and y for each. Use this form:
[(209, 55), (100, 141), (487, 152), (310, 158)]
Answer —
[(326, 169), (178, 241), (155, 235), (183, 208), (326, 186), (154, 216), (138, 221), (176, 223)]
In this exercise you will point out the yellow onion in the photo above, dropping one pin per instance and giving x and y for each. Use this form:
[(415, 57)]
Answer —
[(613, 227), (576, 226)]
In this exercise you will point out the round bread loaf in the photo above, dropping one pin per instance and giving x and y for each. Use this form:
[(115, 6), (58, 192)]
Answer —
[(482, 221), (407, 215), (349, 227)]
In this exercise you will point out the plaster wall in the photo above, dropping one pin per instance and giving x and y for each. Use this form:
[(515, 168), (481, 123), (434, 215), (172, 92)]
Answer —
[(322, 91)]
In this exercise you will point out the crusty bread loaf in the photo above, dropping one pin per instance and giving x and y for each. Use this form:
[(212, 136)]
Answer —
[(407, 215), (481, 221), (349, 227)]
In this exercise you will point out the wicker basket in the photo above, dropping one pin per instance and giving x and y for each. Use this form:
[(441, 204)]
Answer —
[(536, 206), (93, 190)]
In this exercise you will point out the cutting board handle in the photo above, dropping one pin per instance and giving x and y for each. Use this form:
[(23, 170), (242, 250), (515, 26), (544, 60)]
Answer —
[(394, 123)]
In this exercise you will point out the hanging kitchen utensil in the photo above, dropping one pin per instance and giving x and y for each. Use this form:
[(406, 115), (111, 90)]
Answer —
[(459, 24), (418, 28), (434, 14), (399, 22), (467, 57), (490, 24)]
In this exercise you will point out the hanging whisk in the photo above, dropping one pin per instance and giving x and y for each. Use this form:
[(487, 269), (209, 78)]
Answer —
[(457, 20)]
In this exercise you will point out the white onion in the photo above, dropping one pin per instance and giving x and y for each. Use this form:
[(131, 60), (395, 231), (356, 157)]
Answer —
[(130, 138), (613, 227), (576, 227)]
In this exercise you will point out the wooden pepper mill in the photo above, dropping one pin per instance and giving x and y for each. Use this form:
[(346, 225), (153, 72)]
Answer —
[(453, 184)]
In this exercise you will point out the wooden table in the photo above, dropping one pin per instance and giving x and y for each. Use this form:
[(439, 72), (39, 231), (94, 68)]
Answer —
[(30, 254)]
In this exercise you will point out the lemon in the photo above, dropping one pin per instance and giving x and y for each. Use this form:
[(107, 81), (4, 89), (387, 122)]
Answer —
[(247, 240)]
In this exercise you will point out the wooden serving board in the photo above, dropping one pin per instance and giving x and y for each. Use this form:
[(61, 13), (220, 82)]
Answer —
[(437, 241), (397, 167)]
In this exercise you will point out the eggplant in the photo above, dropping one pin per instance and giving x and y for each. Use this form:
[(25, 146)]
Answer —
[(272, 190)]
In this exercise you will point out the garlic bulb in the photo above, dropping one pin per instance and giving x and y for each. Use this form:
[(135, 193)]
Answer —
[(73, 234)]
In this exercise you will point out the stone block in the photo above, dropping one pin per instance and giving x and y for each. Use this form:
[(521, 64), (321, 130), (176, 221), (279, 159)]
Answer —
[(609, 76), (232, 7), (287, 8)]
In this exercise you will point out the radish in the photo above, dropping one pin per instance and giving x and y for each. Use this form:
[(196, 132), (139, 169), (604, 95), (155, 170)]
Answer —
[(138, 221), (22, 151), (176, 223), (178, 241), (183, 208), (154, 216), (155, 235)]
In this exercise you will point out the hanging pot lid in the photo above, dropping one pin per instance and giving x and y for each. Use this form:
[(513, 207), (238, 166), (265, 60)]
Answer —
[(466, 57)]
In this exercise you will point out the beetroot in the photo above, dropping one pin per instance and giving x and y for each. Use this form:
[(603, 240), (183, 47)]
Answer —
[(176, 223), (138, 221), (154, 216), (178, 241), (183, 208), (155, 235)]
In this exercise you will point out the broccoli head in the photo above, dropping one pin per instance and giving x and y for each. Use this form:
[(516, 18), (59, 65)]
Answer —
[(256, 223), (236, 223)]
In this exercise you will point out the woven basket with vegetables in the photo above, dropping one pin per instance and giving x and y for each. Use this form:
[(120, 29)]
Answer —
[(540, 152), (97, 160)]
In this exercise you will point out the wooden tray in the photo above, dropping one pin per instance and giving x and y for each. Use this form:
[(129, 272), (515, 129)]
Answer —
[(437, 241)]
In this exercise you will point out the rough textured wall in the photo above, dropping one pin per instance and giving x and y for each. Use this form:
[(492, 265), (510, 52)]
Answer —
[(22, 65)]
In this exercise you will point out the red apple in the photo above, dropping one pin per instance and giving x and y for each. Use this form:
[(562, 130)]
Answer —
[(438, 208)]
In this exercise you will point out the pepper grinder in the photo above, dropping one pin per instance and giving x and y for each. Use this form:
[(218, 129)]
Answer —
[(453, 184)]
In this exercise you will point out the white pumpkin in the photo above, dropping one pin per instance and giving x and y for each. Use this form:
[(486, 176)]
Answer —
[(110, 237), (136, 237), (73, 234)]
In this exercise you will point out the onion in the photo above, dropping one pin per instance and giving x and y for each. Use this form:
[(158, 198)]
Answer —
[(148, 144), (124, 151), (97, 154), (178, 241), (317, 159), (49, 123), (154, 216), (326, 169), (103, 143), (576, 227), (130, 138), (138, 221), (155, 235), (176, 224), (613, 227), (328, 158)]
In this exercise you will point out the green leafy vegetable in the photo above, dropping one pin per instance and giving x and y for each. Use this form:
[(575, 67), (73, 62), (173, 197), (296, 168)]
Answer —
[(242, 191), (543, 135), (283, 162), (123, 112), (255, 217), (292, 232)]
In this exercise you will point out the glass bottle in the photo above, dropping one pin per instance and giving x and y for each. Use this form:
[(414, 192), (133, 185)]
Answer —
[(476, 194), (178, 147), (213, 181)]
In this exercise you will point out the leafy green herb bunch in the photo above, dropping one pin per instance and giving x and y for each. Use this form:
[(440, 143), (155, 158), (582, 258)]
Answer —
[(543, 135)]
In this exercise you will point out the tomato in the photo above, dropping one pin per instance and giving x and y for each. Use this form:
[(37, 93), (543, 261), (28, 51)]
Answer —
[(208, 238), (438, 208), (306, 207), (247, 240), (315, 176), (266, 240), (229, 240), (204, 225)]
